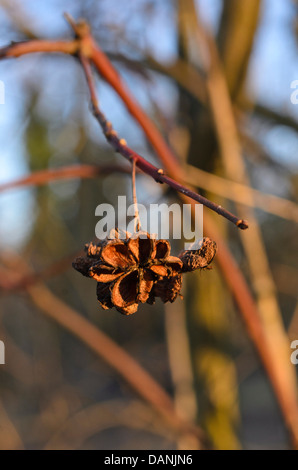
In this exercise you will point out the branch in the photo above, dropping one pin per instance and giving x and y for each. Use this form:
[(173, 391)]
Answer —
[(27, 47), (157, 174), (42, 177)]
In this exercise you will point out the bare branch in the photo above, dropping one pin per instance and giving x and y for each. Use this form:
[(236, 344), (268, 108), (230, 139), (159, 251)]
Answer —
[(156, 173)]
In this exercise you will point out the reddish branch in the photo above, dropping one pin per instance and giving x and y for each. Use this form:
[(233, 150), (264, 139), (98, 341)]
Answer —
[(66, 172), (18, 49)]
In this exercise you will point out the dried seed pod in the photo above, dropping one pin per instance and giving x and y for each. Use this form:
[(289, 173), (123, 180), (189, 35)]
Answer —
[(133, 269), (128, 268), (199, 258)]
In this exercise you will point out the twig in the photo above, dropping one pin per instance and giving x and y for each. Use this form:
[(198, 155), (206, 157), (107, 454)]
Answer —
[(39, 45), (19, 17), (157, 174)]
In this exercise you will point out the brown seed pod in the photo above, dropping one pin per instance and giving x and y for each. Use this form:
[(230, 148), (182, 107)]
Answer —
[(199, 258), (127, 269), (134, 269)]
